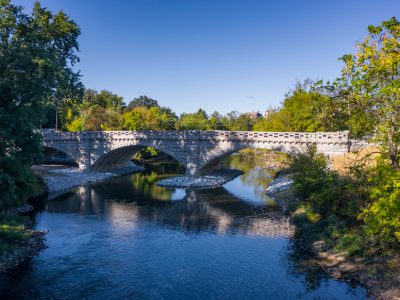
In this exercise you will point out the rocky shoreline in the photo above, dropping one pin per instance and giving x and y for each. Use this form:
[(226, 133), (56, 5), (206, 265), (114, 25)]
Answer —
[(23, 250), (214, 179), (60, 180), (374, 274)]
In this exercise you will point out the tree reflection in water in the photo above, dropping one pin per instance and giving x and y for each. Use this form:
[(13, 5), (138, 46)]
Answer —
[(215, 210), (136, 226), (259, 167)]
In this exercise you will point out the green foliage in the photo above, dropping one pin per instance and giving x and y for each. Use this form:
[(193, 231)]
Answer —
[(216, 121), (309, 108), (371, 196), (370, 86), (194, 121), (382, 215), (142, 101), (98, 111), (132, 120), (275, 119), (325, 190), (146, 153), (238, 122), (37, 55), (350, 243), (11, 228)]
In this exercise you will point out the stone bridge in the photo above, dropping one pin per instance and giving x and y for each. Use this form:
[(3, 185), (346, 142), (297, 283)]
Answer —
[(195, 150)]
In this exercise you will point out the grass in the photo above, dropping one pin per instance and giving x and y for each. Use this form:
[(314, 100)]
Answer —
[(368, 155), (12, 228)]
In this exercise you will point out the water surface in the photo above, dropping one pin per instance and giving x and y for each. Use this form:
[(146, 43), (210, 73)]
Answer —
[(129, 239)]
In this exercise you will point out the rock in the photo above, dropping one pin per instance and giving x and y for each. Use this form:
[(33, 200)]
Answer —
[(23, 250), (23, 209), (278, 185), (213, 179)]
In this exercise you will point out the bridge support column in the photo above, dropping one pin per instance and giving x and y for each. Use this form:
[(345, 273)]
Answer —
[(84, 160)]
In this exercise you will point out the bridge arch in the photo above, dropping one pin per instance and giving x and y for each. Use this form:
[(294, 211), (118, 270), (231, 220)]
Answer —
[(120, 156), (58, 155), (218, 156)]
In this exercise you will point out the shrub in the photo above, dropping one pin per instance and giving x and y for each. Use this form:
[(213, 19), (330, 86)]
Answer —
[(325, 190), (382, 215)]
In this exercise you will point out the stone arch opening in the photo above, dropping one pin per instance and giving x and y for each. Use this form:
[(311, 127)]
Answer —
[(54, 156), (214, 162), (121, 157)]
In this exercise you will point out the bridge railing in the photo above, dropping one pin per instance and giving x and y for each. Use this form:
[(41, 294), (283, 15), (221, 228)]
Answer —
[(321, 137)]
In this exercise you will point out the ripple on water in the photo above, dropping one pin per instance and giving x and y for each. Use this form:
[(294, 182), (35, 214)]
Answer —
[(123, 240)]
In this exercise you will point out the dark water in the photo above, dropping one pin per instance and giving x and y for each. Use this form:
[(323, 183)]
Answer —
[(129, 239)]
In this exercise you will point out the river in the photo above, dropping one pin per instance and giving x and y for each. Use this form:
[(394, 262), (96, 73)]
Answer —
[(127, 238)]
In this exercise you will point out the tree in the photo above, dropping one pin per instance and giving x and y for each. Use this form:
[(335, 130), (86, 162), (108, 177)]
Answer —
[(308, 108), (216, 121), (98, 111), (37, 54), (273, 120), (153, 118), (194, 121), (370, 84), (132, 120), (142, 101), (236, 121)]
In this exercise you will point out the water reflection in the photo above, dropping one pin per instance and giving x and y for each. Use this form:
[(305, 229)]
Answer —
[(215, 210), (127, 238)]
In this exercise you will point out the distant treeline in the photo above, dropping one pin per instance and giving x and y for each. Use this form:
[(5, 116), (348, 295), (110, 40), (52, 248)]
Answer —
[(308, 107)]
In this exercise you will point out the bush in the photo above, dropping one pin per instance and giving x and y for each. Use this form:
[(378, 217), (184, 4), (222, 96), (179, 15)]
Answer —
[(17, 183), (382, 215), (325, 190)]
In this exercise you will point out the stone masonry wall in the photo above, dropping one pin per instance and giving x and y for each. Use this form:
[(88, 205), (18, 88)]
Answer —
[(193, 149)]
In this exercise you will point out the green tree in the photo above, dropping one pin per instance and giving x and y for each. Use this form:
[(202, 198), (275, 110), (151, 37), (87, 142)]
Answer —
[(37, 54), (132, 120), (308, 109), (273, 120), (98, 111), (194, 121), (382, 215), (236, 121), (216, 121), (370, 84), (144, 118), (142, 101)]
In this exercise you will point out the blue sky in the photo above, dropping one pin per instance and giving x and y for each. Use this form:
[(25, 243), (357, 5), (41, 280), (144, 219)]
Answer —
[(219, 55)]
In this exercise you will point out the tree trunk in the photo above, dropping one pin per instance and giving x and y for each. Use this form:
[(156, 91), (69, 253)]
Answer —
[(393, 152)]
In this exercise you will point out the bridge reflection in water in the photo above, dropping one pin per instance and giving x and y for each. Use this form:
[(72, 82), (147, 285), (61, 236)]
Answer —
[(128, 239), (131, 199)]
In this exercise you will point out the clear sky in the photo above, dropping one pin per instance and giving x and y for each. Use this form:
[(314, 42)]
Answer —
[(215, 54)]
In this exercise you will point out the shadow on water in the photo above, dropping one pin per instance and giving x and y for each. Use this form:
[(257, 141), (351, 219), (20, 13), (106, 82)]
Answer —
[(214, 210), (128, 238)]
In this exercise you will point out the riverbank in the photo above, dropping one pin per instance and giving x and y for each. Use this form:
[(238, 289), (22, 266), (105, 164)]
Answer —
[(379, 274), (58, 180), (18, 243), (213, 179)]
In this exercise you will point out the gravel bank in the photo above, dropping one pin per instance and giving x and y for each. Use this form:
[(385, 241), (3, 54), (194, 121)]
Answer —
[(58, 180), (213, 179), (278, 185)]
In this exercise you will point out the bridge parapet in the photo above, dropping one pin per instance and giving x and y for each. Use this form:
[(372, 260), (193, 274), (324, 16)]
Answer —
[(322, 137)]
